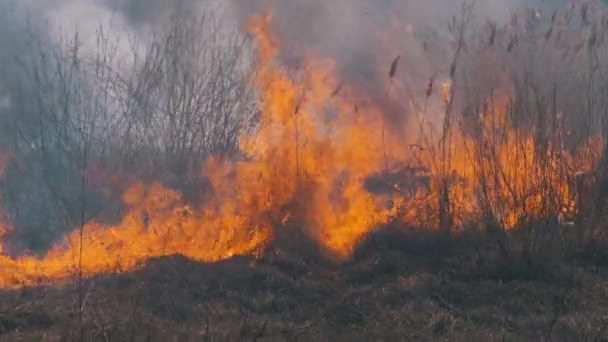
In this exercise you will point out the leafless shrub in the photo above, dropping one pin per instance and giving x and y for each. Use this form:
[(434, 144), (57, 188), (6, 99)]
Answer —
[(188, 96), (73, 108)]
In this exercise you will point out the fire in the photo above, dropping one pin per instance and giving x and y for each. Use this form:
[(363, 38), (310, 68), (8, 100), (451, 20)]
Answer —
[(158, 223), (307, 167), (446, 87), (316, 168)]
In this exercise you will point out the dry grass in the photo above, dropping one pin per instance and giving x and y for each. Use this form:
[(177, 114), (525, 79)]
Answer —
[(417, 290)]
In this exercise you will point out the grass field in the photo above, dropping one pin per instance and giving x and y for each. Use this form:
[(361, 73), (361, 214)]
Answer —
[(398, 288)]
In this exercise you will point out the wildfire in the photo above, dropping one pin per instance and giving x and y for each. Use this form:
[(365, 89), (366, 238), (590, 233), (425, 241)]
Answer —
[(307, 171), (158, 223)]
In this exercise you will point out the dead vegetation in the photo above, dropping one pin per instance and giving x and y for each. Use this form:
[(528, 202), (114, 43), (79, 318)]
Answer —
[(411, 288)]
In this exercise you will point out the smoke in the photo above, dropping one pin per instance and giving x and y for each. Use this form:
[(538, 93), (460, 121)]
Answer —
[(144, 12), (348, 30), (364, 37)]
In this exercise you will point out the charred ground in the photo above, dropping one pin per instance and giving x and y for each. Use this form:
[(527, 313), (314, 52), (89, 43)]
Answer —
[(400, 286)]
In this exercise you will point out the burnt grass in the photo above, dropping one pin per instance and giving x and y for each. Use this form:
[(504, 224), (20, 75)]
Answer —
[(399, 286)]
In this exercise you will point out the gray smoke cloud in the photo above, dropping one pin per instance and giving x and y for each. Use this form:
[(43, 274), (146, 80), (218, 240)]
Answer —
[(356, 34), (347, 29), (142, 12)]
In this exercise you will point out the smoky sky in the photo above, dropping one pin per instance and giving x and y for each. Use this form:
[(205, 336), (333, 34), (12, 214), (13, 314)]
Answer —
[(363, 37), (351, 32), (142, 12)]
